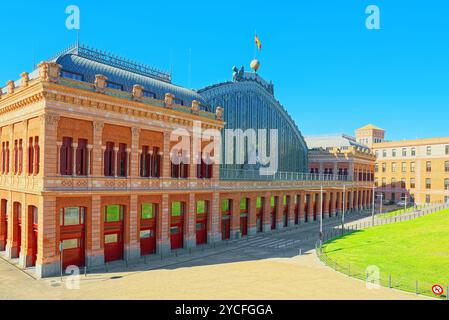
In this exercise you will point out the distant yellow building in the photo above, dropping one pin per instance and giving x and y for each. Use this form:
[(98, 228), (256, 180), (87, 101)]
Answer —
[(413, 169)]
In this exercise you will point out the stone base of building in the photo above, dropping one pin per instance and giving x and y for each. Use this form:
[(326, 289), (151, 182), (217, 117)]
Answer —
[(189, 243), (252, 231), (163, 248), (291, 222), (132, 254), (302, 220), (280, 225), (267, 227), (48, 270), (236, 234), (12, 252), (25, 261), (2, 245), (213, 237), (95, 260)]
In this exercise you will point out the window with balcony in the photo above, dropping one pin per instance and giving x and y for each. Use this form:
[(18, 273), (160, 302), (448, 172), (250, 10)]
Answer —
[(376, 167), (428, 166), (82, 158), (393, 167), (428, 183), (403, 184), (179, 170), (122, 157), (150, 162), (384, 167), (412, 167), (204, 168), (384, 182), (412, 183), (446, 166), (65, 157), (404, 167), (446, 184), (109, 161)]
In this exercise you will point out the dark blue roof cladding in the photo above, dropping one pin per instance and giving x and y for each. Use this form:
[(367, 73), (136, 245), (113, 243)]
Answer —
[(88, 68)]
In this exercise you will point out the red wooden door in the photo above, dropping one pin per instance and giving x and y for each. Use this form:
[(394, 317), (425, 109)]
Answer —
[(244, 224), (72, 236), (34, 245), (285, 216), (73, 250), (273, 218), (176, 236), (226, 227), (19, 236), (201, 229), (113, 242), (148, 236), (296, 214)]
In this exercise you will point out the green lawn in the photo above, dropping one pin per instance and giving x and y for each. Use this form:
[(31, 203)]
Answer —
[(408, 251)]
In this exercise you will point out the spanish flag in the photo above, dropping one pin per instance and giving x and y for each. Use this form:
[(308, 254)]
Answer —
[(258, 44)]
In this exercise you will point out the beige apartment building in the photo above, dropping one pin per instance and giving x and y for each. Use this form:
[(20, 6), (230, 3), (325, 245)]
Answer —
[(410, 169)]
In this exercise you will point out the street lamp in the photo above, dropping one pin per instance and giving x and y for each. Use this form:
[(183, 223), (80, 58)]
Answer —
[(321, 215), (344, 209), (373, 211)]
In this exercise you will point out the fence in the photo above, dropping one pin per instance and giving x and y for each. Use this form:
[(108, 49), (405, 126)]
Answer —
[(372, 276)]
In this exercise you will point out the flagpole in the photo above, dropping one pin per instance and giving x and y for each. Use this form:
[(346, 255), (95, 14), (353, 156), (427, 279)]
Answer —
[(255, 44)]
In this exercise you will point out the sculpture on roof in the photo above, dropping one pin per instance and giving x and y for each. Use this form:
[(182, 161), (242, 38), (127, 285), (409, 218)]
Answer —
[(237, 74)]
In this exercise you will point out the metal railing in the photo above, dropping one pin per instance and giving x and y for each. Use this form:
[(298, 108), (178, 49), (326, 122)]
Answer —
[(255, 175), (388, 280)]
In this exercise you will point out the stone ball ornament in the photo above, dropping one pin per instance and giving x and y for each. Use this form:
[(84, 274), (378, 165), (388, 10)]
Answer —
[(255, 65)]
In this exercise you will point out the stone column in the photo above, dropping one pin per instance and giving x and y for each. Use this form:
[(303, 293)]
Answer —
[(74, 147), (27, 225), (135, 153), (310, 206), (326, 204), (97, 151), (214, 220), (302, 218), (94, 230), (252, 219), (48, 254), (279, 212), (25, 148), (235, 218), (163, 236), (48, 149), (117, 163), (291, 209), (166, 156), (132, 246), (89, 159), (190, 221), (266, 213)]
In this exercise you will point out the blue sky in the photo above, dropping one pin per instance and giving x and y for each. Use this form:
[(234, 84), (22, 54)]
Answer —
[(330, 72)]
